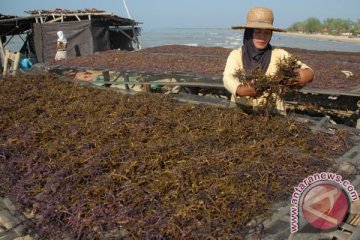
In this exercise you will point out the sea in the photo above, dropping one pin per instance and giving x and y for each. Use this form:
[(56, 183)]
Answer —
[(222, 37)]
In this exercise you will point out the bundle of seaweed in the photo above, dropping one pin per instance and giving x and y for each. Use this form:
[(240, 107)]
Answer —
[(272, 88), (99, 165), (284, 80)]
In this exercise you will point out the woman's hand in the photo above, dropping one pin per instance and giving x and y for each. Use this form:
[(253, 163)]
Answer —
[(246, 90), (305, 76)]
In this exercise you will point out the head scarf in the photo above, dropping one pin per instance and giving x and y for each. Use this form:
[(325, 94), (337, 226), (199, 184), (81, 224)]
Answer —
[(252, 57), (61, 37)]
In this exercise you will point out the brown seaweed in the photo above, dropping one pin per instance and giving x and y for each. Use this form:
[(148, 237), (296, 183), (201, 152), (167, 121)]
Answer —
[(96, 164)]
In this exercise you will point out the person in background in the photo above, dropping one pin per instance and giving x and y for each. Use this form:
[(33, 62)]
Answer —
[(256, 53), (61, 46)]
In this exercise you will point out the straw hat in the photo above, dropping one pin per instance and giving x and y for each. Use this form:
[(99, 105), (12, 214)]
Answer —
[(260, 17)]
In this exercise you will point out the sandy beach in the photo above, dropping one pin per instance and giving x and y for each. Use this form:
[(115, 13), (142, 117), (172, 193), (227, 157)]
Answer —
[(325, 37)]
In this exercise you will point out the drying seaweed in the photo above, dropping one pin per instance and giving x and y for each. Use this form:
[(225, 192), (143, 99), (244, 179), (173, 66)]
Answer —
[(96, 164), (211, 61)]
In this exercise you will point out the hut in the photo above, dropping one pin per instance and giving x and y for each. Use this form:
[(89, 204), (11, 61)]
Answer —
[(87, 31)]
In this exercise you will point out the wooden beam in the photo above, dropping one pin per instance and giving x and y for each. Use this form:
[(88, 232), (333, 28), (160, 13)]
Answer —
[(40, 16), (133, 39), (18, 18), (78, 14), (127, 35), (121, 27), (54, 20)]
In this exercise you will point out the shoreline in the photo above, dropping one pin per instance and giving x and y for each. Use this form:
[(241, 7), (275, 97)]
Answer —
[(323, 37)]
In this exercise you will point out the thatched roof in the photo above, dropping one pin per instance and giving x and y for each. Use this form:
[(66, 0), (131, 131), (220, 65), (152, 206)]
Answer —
[(13, 25)]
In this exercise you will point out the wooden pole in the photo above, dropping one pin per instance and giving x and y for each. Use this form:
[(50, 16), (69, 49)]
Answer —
[(11, 60), (126, 80), (41, 19), (2, 54), (106, 77), (146, 87), (16, 59), (6, 62)]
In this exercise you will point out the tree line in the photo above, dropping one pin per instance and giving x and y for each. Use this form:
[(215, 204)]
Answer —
[(333, 26)]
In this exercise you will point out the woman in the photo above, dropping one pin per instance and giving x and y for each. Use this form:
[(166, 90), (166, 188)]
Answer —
[(255, 53), (61, 46)]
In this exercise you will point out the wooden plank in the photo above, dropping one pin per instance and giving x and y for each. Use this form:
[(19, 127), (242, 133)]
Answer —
[(331, 92), (355, 90), (185, 84)]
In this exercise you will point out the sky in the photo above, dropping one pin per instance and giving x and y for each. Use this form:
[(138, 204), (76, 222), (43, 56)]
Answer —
[(197, 13)]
